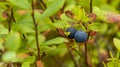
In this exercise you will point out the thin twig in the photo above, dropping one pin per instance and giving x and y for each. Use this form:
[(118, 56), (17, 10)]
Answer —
[(36, 31), (10, 20), (91, 6), (43, 4), (85, 45), (86, 57)]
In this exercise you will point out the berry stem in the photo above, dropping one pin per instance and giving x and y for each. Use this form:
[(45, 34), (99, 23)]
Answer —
[(72, 56), (85, 45), (86, 53)]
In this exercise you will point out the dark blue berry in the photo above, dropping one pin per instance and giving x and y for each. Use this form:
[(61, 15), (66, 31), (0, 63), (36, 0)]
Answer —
[(72, 32), (80, 36)]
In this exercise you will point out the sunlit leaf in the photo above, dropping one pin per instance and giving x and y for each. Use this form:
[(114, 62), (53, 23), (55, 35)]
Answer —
[(30, 59), (117, 43), (1, 44), (95, 26), (32, 40), (3, 30), (26, 64), (57, 40), (111, 64), (61, 24), (13, 41), (3, 4), (79, 14), (9, 56), (24, 4), (52, 9)]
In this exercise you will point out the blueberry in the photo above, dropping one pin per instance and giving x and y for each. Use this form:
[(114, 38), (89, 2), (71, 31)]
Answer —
[(72, 32), (80, 36)]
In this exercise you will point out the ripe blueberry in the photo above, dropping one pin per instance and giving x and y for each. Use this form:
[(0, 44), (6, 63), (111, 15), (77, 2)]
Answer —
[(72, 32), (80, 36)]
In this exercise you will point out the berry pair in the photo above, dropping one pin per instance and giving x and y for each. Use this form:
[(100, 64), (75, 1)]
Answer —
[(79, 36)]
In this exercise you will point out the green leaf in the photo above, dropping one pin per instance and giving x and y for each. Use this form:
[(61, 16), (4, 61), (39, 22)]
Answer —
[(3, 30), (48, 49), (57, 40), (13, 41), (9, 56), (1, 44), (117, 43), (100, 13), (65, 18), (61, 24), (52, 9), (23, 28), (3, 5), (24, 4), (79, 13), (46, 25), (69, 7), (59, 50), (30, 59), (111, 64), (95, 26), (24, 23), (32, 40), (26, 64)]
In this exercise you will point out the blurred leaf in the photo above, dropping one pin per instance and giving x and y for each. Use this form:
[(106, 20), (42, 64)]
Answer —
[(32, 40), (104, 28), (117, 43), (111, 64), (69, 7), (95, 26), (57, 40), (23, 28), (100, 13), (3, 4), (26, 64), (1, 44), (37, 16), (48, 49), (3, 30), (70, 4), (79, 13), (30, 59), (52, 9), (117, 55), (45, 25), (61, 24), (24, 4), (65, 18), (59, 50), (13, 41), (106, 16), (9, 56)]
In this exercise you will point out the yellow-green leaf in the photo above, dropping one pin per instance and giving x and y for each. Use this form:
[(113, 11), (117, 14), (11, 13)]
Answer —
[(57, 40), (117, 43), (13, 41), (52, 9)]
